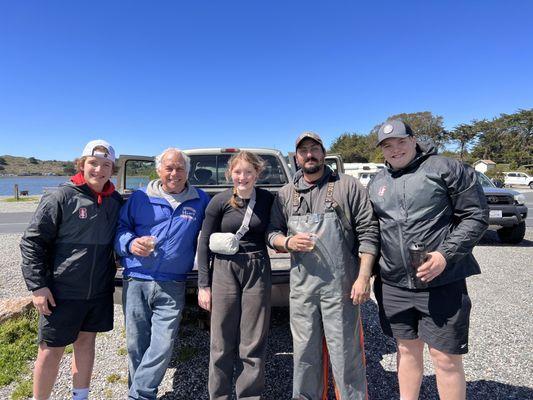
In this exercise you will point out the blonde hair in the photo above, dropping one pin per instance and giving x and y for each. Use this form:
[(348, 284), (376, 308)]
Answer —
[(80, 162), (247, 156)]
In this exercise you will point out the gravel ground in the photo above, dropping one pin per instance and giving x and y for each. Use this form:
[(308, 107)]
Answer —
[(499, 365)]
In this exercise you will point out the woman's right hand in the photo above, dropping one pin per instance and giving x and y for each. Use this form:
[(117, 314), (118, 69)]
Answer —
[(204, 298)]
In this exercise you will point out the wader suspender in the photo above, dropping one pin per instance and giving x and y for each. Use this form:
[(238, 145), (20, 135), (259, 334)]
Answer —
[(329, 202)]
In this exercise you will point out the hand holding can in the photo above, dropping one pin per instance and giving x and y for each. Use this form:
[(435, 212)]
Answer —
[(418, 254)]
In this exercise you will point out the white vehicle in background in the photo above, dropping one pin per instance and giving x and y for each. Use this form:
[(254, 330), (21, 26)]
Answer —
[(363, 171), (516, 178)]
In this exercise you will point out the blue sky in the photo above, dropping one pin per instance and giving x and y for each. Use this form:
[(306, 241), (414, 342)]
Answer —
[(149, 75)]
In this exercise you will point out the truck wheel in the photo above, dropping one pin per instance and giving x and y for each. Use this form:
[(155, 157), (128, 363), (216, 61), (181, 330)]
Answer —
[(531, 185), (512, 234)]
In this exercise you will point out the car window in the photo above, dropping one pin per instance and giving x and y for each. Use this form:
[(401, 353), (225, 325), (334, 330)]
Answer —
[(332, 163), (210, 169), (138, 174)]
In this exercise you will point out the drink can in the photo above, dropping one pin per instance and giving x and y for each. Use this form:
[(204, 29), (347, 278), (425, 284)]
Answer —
[(418, 254)]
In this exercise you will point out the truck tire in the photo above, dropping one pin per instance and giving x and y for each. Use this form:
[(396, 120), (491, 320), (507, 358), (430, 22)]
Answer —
[(531, 185), (512, 234)]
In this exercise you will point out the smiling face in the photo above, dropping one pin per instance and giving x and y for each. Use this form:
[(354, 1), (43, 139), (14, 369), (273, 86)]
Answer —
[(310, 156), (172, 172), (96, 172), (399, 152), (244, 176)]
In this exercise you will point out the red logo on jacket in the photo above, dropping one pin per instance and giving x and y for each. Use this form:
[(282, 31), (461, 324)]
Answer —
[(382, 190), (82, 213)]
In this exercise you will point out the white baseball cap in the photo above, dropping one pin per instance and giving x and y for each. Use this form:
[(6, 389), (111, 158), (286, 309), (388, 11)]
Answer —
[(90, 151)]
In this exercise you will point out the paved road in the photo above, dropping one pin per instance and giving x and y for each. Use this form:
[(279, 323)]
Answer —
[(14, 222)]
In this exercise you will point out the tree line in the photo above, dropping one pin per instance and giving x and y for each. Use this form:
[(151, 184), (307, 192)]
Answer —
[(506, 139)]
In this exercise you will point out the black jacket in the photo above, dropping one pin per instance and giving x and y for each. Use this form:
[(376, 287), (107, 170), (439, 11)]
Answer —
[(435, 200), (68, 246)]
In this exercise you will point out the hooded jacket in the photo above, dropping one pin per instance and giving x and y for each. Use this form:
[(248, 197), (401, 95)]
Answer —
[(434, 200), (348, 193), (68, 245), (148, 212)]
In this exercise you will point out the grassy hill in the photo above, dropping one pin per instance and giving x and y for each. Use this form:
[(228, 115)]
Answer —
[(11, 165)]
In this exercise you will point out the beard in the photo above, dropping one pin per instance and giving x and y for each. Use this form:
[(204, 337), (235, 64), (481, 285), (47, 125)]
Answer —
[(314, 169)]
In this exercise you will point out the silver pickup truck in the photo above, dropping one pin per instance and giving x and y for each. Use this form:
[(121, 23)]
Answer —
[(208, 167)]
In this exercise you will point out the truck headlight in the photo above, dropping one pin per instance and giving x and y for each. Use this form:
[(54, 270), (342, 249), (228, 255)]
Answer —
[(520, 199)]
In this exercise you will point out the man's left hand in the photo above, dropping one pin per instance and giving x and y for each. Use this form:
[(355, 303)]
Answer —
[(361, 290), (432, 268)]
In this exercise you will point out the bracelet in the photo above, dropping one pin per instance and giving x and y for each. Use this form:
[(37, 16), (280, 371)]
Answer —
[(286, 244)]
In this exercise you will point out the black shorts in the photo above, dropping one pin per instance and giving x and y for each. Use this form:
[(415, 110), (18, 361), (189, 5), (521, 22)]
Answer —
[(70, 317), (439, 316)]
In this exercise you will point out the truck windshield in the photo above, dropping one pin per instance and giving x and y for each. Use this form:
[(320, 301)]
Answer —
[(484, 180), (210, 169)]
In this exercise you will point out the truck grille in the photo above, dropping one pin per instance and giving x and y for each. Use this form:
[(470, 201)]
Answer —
[(494, 199)]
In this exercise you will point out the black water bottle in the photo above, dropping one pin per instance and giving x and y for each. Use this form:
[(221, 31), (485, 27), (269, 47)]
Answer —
[(418, 255)]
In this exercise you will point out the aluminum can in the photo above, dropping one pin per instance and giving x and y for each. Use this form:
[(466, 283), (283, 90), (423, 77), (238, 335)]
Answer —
[(418, 255)]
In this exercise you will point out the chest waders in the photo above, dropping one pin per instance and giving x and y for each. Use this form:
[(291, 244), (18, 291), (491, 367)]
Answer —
[(321, 309)]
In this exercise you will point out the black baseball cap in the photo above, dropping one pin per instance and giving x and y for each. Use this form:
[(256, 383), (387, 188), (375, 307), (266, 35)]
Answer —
[(394, 128)]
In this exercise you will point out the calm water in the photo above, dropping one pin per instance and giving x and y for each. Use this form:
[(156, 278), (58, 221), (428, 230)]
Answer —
[(33, 184), (36, 184)]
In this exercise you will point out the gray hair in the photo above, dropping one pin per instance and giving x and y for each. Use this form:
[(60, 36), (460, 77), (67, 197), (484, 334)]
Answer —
[(186, 158)]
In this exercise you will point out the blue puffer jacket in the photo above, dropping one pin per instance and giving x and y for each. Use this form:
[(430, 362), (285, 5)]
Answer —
[(176, 231)]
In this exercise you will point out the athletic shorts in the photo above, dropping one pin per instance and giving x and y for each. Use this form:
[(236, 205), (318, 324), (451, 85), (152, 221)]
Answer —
[(70, 317), (439, 316)]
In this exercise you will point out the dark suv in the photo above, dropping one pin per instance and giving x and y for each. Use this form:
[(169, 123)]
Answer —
[(506, 209)]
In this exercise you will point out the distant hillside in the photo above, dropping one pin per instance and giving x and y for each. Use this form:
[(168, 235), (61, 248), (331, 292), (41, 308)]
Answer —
[(10, 165)]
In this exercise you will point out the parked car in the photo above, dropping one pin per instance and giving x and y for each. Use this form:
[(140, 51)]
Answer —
[(507, 210), (517, 178), (208, 167), (364, 172)]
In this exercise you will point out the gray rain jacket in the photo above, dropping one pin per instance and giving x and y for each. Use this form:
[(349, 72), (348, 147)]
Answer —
[(435, 200), (68, 246)]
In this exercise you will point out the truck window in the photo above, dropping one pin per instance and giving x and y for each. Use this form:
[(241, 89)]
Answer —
[(332, 163), (209, 170), (138, 174)]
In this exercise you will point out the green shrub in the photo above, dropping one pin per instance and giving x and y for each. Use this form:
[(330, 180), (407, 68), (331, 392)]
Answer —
[(23, 390), (496, 173), (17, 346)]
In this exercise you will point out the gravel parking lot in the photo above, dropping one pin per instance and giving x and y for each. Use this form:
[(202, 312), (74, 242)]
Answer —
[(499, 365)]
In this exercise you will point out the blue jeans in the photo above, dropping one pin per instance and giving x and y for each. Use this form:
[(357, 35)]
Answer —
[(152, 311)]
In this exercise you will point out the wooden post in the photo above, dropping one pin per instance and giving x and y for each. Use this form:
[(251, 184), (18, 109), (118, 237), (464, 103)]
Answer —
[(16, 192)]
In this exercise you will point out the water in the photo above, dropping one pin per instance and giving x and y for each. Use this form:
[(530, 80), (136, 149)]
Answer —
[(36, 184), (33, 184)]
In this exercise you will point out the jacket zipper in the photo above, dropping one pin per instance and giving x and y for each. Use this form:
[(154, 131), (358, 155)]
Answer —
[(410, 284), (93, 264), (92, 273)]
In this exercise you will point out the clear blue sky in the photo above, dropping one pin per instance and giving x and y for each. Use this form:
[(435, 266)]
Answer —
[(152, 74)]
